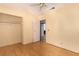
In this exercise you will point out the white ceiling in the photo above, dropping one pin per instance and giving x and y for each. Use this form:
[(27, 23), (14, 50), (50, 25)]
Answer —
[(28, 6), (20, 6)]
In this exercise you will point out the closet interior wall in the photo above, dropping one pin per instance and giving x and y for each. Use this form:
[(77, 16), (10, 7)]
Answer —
[(10, 29)]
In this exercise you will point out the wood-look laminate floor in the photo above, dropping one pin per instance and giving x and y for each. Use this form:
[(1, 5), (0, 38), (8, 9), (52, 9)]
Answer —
[(35, 49)]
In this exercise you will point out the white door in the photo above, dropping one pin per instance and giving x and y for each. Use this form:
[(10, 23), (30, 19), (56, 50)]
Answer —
[(36, 30)]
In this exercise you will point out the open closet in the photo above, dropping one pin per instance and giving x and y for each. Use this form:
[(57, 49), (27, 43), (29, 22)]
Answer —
[(10, 29)]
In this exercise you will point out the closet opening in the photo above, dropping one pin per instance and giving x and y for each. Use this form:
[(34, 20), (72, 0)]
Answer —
[(10, 29)]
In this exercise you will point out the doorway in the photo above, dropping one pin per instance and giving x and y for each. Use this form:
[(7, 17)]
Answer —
[(43, 30)]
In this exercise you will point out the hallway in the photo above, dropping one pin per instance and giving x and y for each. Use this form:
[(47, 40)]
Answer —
[(35, 49)]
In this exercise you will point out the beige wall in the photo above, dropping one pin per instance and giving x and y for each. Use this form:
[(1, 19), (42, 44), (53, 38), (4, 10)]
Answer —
[(63, 27)]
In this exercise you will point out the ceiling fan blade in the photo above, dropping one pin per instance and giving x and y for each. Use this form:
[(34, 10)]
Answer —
[(52, 8)]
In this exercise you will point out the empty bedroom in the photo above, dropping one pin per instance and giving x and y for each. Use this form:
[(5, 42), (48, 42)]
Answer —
[(39, 29)]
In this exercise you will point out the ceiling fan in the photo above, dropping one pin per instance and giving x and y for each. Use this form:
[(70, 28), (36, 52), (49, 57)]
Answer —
[(42, 5)]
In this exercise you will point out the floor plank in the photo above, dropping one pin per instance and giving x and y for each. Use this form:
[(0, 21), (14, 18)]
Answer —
[(35, 49)]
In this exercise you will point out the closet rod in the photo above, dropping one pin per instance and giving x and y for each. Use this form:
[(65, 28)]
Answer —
[(11, 22)]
